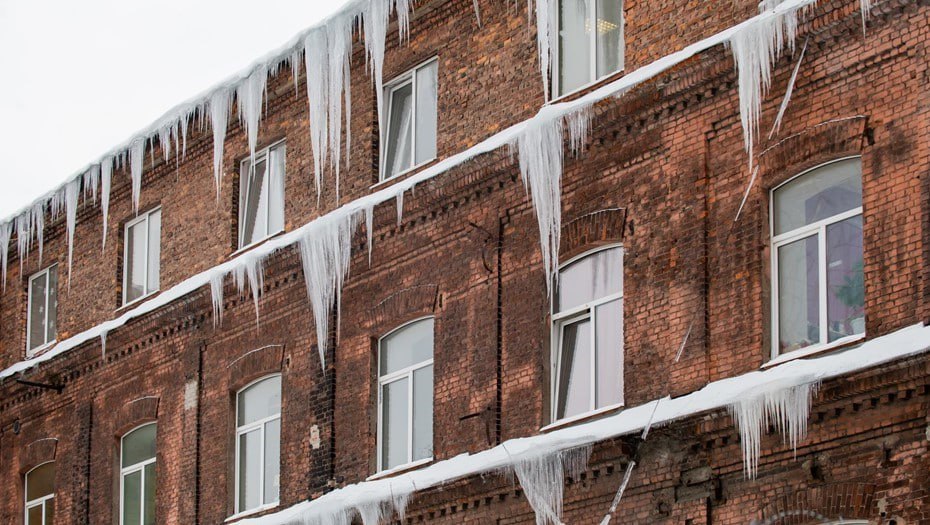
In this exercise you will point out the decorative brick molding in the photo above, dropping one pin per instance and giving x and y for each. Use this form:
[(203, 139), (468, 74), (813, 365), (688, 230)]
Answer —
[(254, 364), (592, 229), (39, 451), (816, 504), (405, 305), (135, 412)]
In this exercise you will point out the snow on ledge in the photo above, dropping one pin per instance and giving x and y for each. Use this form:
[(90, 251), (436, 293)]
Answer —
[(903, 343)]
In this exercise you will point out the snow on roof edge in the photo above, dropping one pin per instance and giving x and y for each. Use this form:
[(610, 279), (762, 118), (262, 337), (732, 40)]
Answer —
[(903, 343)]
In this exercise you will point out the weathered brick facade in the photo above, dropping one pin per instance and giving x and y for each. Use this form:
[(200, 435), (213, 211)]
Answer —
[(663, 172)]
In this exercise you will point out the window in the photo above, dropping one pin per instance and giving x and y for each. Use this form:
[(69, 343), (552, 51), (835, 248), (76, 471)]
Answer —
[(585, 55), (405, 395), (142, 256), (41, 324), (261, 195), (819, 291), (258, 444), (588, 334), (40, 495), (137, 477), (410, 135)]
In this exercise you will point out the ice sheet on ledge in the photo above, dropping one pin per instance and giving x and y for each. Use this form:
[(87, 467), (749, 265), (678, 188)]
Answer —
[(717, 395)]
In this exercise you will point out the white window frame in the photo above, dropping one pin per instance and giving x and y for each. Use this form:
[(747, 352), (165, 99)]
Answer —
[(49, 341), (397, 376), (817, 228), (245, 429), (145, 217), (131, 469), (43, 501), (585, 311), (408, 77), (593, 77), (250, 162)]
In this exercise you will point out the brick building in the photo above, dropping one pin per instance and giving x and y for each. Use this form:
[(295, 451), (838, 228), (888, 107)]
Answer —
[(166, 365)]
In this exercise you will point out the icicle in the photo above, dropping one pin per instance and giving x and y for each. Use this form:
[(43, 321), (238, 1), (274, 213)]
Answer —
[(56, 203), (92, 182), (788, 91), (294, 62), (184, 123), (219, 119), (23, 236), (316, 53), (756, 47), (38, 225), (787, 409), (164, 140), (376, 21), (216, 294), (579, 125), (250, 271), (752, 180), (400, 206), (72, 192), (6, 231), (545, 36), (543, 480), (325, 254), (249, 95), (106, 174), (136, 156), (865, 7), (540, 155), (369, 227), (477, 11), (402, 8), (103, 344), (339, 38)]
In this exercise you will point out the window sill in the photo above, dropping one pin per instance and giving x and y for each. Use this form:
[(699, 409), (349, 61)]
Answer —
[(383, 183), (594, 414), (590, 86), (257, 243), (400, 469), (813, 350), (251, 512), (138, 300), (39, 350)]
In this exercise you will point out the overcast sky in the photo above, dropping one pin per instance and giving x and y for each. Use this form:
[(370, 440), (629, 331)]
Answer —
[(79, 77)]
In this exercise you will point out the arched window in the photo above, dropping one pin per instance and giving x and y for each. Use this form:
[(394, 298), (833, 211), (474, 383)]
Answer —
[(258, 444), (587, 322), (137, 476), (405, 395), (40, 495), (818, 286)]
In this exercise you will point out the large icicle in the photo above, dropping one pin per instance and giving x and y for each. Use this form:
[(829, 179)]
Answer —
[(545, 36), (787, 409), (72, 192), (339, 38), (540, 153), (316, 54), (251, 271), (6, 231), (219, 120), (216, 295), (106, 175), (249, 96), (92, 182), (136, 159), (325, 253), (543, 480)]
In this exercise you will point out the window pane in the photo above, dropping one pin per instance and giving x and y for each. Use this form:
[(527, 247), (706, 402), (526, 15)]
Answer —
[(259, 401), (37, 290), (49, 511), (423, 413), (574, 45), (132, 498), (139, 445), (408, 346), (574, 389), (272, 460), (426, 112), (400, 129), (52, 332), (798, 295), (250, 464), (35, 515), (845, 282), (154, 251), (276, 206), (394, 423), (593, 277), (253, 202), (151, 481), (819, 194), (40, 481), (609, 36), (136, 244), (609, 321)]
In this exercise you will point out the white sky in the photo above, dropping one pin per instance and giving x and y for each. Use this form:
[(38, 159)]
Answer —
[(78, 77)]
